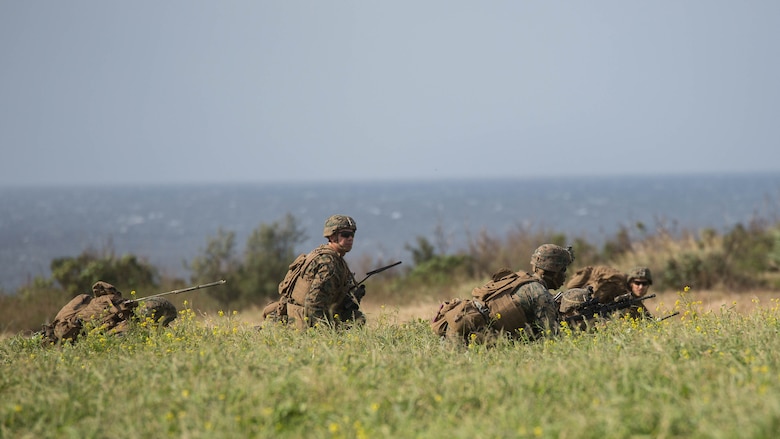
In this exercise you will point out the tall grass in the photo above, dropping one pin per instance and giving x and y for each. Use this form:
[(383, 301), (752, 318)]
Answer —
[(705, 374)]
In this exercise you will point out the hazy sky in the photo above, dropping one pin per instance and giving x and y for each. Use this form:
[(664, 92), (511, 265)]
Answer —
[(241, 91)]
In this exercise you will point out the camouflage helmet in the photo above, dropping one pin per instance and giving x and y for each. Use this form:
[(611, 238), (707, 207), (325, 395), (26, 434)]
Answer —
[(640, 273), (101, 288), (158, 309), (551, 257), (334, 223), (573, 298)]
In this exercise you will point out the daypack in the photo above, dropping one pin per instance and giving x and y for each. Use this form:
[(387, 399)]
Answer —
[(294, 271), (108, 311), (287, 290), (278, 309), (607, 282), (497, 295), (491, 308), (458, 318)]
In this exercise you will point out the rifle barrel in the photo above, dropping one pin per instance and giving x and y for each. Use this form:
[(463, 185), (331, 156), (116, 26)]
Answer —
[(661, 319), (379, 270), (183, 290)]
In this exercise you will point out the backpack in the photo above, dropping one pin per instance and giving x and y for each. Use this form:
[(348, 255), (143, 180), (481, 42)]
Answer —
[(278, 309), (109, 311), (458, 318), (294, 271), (504, 314), (607, 282), (492, 307)]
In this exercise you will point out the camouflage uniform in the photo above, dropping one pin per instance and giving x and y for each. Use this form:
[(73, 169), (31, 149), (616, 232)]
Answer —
[(540, 309), (536, 297), (322, 293), (326, 281)]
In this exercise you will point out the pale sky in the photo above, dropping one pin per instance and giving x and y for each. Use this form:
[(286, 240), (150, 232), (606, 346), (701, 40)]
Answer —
[(182, 91)]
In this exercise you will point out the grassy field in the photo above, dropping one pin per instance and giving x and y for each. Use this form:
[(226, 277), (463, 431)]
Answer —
[(706, 373)]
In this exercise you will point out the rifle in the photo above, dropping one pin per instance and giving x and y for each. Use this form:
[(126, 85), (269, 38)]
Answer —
[(592, 307), (358, 291), (183, 290)]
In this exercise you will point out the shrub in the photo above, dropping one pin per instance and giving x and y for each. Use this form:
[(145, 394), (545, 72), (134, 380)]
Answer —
[(76, 275)]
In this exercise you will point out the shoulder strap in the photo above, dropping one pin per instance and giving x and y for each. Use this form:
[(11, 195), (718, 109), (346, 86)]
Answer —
[(502, 281)]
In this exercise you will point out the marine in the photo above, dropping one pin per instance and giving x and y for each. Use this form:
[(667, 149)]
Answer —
[(319, 287), (513, 304), (107, 309), (607, 284)]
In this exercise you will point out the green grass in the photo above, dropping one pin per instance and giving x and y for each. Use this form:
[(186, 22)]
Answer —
[(708, 375)]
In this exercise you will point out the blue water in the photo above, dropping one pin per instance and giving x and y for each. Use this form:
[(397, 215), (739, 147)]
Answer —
[(170, 225)]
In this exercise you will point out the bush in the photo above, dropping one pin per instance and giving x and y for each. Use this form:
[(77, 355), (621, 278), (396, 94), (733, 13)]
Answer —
[(441, 270), (76, 275), (253, 278)]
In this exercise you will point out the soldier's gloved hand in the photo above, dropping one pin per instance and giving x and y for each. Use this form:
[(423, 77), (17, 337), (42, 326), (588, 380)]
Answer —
[(359, 293)]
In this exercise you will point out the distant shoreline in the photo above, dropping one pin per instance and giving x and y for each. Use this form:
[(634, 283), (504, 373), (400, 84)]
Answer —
[(339, 182)]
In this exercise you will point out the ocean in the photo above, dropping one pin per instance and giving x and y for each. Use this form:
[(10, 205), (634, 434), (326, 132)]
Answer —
[(169, 225)]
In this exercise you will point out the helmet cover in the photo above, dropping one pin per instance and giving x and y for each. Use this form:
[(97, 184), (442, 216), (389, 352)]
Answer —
[(552, 257), (334, 223), (640, 273)]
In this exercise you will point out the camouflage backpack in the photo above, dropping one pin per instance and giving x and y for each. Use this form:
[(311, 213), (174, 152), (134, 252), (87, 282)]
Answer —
[(607, 282), (491, 308), (278, 310), (504, 314), (105, 308), (458, 318), (287, 285), (294, 271)]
